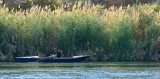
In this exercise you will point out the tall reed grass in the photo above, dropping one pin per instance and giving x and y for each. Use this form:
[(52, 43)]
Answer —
[(113, 34)]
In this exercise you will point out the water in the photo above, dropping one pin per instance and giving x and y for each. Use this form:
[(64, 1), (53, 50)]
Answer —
[(86, 70)]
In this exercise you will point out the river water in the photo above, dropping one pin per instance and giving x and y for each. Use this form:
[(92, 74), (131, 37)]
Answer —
[(83, 70)]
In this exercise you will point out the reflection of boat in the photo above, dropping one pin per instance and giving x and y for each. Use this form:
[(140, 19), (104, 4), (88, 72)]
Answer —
[(47, 59)]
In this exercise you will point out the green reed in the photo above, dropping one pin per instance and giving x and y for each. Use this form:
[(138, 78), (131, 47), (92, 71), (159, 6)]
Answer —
[(113, 34)]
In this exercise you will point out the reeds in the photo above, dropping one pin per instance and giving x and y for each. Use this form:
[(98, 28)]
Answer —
[(113, 34)]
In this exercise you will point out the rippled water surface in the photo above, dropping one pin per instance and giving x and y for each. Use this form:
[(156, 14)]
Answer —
[(86, 70)]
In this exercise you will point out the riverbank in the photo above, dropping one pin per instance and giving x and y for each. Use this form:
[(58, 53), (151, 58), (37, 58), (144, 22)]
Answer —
[(115, 34)]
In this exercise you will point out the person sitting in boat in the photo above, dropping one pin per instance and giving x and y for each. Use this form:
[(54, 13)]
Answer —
[(58, 53)]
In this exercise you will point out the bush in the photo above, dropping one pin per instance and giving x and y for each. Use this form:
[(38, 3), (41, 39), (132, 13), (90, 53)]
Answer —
[(156, 7)]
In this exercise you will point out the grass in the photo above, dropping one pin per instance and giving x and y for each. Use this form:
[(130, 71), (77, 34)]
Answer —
[(113, 34)]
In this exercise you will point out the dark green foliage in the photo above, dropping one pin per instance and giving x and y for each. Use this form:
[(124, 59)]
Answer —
[(152, 34), (80, 35), (121, 46)]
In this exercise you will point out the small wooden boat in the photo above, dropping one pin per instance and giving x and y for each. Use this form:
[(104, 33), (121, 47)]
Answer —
[(47, 59)]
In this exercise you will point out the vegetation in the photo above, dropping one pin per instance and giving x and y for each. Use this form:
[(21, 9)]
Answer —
[(51, 3), (113, 34)]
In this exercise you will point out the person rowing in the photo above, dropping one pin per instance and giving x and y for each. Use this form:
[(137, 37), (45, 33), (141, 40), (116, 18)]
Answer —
[(57, 55)]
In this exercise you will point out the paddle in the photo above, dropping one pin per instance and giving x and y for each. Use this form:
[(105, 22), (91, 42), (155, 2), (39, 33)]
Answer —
[(42, 59), (52, 56)]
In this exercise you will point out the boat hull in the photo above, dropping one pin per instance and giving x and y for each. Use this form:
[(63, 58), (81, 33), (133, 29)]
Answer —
[(46, 59)]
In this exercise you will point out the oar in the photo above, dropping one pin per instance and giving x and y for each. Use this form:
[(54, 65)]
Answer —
[(42, 59)]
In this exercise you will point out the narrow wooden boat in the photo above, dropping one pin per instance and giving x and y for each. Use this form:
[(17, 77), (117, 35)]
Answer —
[(47, 59)]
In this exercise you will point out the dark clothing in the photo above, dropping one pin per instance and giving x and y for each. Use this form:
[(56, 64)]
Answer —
[(58, 54)]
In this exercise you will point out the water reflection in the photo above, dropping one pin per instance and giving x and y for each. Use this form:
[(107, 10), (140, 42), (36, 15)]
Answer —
[(81, 70)]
